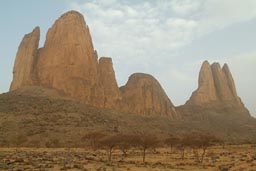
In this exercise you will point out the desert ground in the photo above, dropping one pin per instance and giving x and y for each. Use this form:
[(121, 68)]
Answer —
[(217, 158)]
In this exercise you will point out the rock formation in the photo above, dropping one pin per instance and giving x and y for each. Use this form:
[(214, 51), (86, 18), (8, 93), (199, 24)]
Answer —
[(143, 94), (23, 71), (107, 83), (206, 92), (216, 88), (68, 63)]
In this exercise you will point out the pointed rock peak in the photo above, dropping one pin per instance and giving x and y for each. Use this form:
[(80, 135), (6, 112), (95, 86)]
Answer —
[(205, 92), (226, 70), (230, 81), (205, 72), (205, 63), (25, 60), (225, 65), (216, 66), (36, 30), (107, 83), (216, 89)]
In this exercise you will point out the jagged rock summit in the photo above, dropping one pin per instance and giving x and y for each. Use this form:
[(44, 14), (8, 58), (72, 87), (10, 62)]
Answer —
[(216, 88), (69, 63), (24, 67)]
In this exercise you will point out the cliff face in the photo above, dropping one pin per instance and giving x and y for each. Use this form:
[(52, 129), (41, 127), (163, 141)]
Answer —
[(206, 92), (23, 71), (68, 62), (216, 89), (143, 94), (107, 83)]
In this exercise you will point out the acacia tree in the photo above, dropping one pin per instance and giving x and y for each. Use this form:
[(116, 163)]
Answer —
[(205, 141), (110, 143), (172, 141), (126, 142), (197, 141), (145, 142), (93, 138)]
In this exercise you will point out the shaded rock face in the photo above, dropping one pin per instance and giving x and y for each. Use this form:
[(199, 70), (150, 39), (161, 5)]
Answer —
[(68, 63), (143, 94), (23, 71), (216, 88)]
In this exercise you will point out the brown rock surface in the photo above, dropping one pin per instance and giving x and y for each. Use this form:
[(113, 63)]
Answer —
[(230, 81), (143, 94), (69, 64), (23, 71), (221, 84), (216, 89), (206, 92), (107, 83), (67, 61)]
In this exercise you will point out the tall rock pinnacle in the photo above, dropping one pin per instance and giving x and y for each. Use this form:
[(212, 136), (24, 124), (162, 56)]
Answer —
[(230, 81), (23, 71), (143, 94), (216, 88), (221, 83), (107, 83), (67, 61), (206, 92)]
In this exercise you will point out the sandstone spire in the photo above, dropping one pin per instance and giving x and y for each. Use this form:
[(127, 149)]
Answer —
[(25, 60), (230, 80), (144, 95), (107, 83), (67, 62), (206, 92), (216, 87), (221, 84)]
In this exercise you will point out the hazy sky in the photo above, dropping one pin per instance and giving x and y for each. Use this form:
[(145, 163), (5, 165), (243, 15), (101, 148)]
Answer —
[(166, 38)]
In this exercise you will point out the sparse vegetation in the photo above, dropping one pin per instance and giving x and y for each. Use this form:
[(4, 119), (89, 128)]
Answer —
[(94, 139), (110, 143), (145, 142)]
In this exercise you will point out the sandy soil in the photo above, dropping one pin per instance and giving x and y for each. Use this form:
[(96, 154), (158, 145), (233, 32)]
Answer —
[(230, 158)]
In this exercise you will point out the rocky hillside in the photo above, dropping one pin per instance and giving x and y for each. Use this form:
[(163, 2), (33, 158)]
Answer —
[(63, 90)]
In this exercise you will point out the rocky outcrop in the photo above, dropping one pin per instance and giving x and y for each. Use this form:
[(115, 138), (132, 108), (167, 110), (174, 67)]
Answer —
[(206, 92), (23, 71), (230, 81), (216, 89), (107, 83), (143, 94), (68, 63), (223, 91)]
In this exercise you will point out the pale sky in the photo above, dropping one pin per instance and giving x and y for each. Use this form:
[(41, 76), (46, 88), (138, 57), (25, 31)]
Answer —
[(168, 39)]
